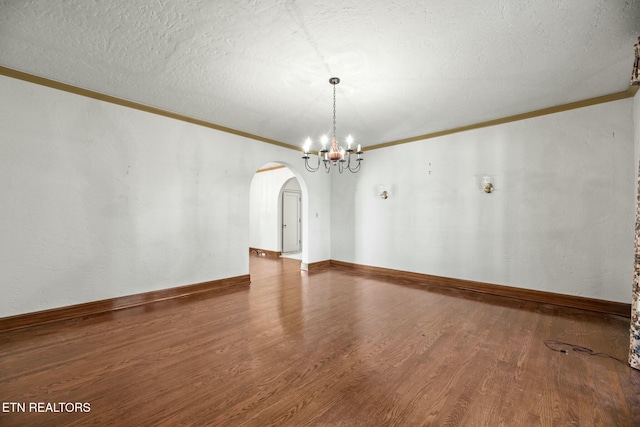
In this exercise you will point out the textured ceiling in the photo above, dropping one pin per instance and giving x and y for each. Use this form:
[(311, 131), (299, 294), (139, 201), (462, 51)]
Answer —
[(262, 66)]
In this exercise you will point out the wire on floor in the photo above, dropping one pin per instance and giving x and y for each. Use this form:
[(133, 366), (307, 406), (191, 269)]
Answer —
[(564, 347)]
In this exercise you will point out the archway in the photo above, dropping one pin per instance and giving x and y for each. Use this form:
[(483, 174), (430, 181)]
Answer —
[(267, 187)]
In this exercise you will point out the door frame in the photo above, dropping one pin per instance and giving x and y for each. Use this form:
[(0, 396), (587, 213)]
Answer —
[(298, 194)]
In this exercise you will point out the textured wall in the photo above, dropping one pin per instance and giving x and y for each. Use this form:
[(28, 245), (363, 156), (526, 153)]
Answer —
[(100, 201), (561, 217)]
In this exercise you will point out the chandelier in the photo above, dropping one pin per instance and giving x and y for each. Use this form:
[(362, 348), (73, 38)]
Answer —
[(336, 155)]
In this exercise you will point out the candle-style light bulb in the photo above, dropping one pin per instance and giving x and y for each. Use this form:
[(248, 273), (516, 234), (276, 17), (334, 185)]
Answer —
[(307, 145), (324, 141), (349, 142)]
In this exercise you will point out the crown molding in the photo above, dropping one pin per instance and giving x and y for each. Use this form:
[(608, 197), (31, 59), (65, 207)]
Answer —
[(135, 105), (629, 93), (20, 75)]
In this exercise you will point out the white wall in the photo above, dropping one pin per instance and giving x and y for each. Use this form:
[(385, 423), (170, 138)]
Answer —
[(100, 201), (265, 220), (561, 218)]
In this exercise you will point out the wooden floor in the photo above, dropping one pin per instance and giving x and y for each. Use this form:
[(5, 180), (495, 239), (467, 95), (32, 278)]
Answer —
[(325, 349)]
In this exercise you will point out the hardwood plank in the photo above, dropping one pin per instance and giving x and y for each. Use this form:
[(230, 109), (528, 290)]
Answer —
[(335, 347)]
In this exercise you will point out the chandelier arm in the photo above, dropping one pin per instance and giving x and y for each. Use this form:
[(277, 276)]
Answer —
[(327, 166), (310, 168), (356, 168), (348, 161)]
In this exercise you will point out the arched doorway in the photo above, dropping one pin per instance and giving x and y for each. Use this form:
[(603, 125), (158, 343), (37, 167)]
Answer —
[(278, 194)]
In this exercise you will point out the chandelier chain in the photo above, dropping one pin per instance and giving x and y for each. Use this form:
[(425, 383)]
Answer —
[(334, 110)]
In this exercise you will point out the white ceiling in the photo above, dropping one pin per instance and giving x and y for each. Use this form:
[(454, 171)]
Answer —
[(408, 68)]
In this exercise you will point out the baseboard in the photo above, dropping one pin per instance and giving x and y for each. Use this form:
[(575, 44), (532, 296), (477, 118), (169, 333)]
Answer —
[(264, 252), (318, 266), (113, 304), (584, 303)]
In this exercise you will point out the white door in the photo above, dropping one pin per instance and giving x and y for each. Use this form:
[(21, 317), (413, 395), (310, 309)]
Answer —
[(291, 223)]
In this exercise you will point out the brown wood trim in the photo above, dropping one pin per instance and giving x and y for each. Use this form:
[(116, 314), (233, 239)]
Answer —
[(270, 168), (629, 93), (135, 105), (20, 75), (264, 252), (119, 303), (319, 266), (584, 303)]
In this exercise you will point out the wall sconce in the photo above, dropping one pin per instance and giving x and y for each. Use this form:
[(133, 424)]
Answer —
[(383, 192), (487, 186)]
